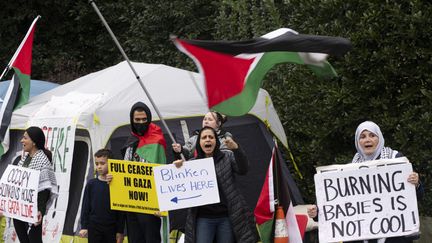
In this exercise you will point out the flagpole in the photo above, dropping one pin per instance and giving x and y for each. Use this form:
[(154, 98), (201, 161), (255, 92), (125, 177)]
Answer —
[(114, 38), (276, 171), (19, 48)]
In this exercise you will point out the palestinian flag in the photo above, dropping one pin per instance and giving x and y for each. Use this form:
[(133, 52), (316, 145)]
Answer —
[(152, 145), (234, 70), (275, 191), (19, 88)]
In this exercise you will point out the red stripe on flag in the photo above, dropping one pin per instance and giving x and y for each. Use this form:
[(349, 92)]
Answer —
[(264, 209), (24, 58), (153, 135), (302, 220), (224, 74)]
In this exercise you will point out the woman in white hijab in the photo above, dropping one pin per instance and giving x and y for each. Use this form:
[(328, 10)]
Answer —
[(369, 143)]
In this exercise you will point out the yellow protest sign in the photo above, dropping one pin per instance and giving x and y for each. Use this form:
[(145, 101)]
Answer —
[(133, 188)]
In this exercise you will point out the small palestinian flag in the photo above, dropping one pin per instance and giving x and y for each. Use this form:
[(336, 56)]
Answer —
[(152, 145), (19, 88), (234, 70), (275, 191)]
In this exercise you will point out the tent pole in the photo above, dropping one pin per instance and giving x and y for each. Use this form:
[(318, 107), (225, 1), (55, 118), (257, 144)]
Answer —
[(134, 71), (5, 71)]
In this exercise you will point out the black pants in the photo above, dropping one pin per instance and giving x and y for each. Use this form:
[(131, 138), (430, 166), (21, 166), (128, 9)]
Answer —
[(101, 233), (143, 228), (34, 235)]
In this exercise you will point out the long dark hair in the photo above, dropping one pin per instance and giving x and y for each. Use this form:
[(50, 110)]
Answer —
[(200, 151), (38, 137)]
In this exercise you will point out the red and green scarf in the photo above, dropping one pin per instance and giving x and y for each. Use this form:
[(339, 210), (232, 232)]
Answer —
[(152, 145)]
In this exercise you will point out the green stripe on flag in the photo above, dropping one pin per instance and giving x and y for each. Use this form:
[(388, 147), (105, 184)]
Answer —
[(24, 90), (1, 149), (153, 153), (242, 103), (266, 231)]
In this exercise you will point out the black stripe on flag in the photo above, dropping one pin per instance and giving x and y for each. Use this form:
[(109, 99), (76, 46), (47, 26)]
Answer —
[(288, 41), (8, 105)]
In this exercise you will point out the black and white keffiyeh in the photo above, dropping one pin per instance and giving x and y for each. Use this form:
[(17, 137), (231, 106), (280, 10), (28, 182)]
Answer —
[(47, 179), (386, 153)]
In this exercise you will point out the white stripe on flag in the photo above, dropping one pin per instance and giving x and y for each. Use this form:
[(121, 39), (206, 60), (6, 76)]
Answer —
[(270, 183), (8, 106), (293, 229)]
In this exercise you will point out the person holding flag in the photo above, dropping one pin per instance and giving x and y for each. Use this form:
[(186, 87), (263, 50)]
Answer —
[(145, 144), (212, 119)]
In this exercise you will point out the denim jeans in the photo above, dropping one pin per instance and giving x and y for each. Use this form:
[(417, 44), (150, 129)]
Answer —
[(208, 228)]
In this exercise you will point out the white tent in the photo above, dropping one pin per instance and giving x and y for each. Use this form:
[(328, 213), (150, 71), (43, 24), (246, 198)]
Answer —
[(100, 103)]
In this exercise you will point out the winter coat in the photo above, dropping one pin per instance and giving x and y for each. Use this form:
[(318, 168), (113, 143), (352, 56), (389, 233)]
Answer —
[(241, 217)]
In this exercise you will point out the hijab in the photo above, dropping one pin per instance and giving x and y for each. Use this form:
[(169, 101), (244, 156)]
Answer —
[(371, 127)]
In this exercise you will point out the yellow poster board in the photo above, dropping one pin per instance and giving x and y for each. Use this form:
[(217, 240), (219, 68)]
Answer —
[(133, 188)]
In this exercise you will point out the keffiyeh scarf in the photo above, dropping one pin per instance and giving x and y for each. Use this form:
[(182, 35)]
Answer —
[(386, 153), (47, 179)]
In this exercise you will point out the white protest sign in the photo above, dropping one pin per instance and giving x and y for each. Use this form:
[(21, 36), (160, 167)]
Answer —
[(191, 185), (18, 193), (371, 202)]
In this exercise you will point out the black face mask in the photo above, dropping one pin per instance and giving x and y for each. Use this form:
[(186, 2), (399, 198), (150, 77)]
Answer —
[(141, 128)]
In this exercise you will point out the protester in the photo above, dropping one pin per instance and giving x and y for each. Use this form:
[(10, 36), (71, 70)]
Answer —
[(230, 220), (369, 143), (212, 119), (98, 222), (36, 157), (146, 144)]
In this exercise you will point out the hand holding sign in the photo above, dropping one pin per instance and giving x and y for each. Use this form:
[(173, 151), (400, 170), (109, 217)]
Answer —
[(370, 202), (191, 185), (312, 211), (178, 163), (18, 193), (413, 178), (133, 188)]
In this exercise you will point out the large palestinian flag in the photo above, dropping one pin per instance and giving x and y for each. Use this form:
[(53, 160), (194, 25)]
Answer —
[(19, 88), (152, 145), (234, 70)]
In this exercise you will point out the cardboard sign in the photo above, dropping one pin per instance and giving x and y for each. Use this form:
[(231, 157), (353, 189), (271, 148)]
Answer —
[(193, 184), (18, 193), (60, 140), (133, 188), (371, 202)]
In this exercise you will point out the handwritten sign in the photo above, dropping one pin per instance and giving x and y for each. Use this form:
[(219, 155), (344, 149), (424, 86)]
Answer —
[(60, 140), (191, 185), (133, 188), (18, 193), (373, 201)]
